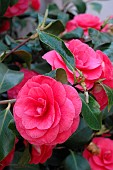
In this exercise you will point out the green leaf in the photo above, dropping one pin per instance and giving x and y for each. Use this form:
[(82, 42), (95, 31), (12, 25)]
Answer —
[(53, 10), (56, 28), (81, 5), (12, 126), (58, 45), (41, 68), (3, 47), (109, 93), (25, 157), (25, 56), (3, 6), (51, 74), (7, 137), (76, 162), (61, 75), (96, 6), (98, 38), (81, 137), (77, 33), (63, 17), (91, 113), (8, 78), (108, 50)]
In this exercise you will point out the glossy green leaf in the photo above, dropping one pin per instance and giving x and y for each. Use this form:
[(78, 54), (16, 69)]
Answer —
[(53, 10), (81, 137), (81, 5), (63, 17), (56, 28), (25, 56), (98, 38), (12, 126), (109, 93), (91, 113), (58, 74), (76, 162), (7, 137), (8, 78), (77, 33), (96, 6), (58, 45)]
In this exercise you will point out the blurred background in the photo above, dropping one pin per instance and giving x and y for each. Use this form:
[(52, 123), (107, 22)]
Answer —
[(107, 7)]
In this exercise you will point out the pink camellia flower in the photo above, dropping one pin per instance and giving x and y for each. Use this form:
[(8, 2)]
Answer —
[(86, 60), (107, 76), (35, 4), (19, 8), (13, 92), (84, 21), (40, 154), (102, 160), (46, 111), (7, 160), (4, 26)]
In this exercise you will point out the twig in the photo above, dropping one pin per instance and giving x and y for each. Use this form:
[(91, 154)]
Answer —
[(8, 101)]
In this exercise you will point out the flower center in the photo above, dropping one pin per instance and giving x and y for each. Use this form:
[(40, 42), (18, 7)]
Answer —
[(41, 105)]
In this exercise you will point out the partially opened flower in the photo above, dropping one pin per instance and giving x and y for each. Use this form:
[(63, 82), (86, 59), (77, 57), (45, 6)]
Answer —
[(107, 77), (13, 92), (39, 154), (84, 21), (46, 111), (86, 60), (100, 156)]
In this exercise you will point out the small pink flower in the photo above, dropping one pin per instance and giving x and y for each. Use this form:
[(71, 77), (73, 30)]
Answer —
[(46, 112), (84, 21), (13, 92), (104, 159), (40, 154), (7, 160), (86, 60), (107, 76), (4, 26), (19, 8)]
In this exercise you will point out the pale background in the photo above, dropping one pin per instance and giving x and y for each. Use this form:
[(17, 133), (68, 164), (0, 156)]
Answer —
[(107, 7)]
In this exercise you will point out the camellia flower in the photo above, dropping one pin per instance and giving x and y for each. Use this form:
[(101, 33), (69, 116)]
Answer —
[(40, 154), (84, 21), (13, 92), (107, 76), (86, 59), (19, 8), (4, 25), (7, 160), (46, 111), (100, 157)]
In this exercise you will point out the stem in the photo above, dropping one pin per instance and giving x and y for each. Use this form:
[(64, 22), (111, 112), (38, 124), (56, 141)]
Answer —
[(8, 101), (18, 46)]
